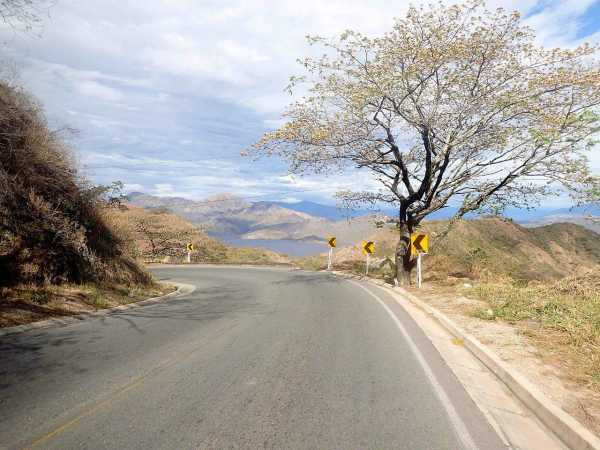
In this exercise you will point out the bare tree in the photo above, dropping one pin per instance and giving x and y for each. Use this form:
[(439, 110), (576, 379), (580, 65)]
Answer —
[(454, 104), (24, 14), (591, 198), (161, 237)]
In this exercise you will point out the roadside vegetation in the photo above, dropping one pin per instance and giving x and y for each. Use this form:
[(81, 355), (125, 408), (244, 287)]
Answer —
[(26, 303), (52, 228), (158, 236), (562, 316), (57, 247)]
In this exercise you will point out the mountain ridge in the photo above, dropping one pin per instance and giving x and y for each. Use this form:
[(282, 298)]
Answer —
[(227, 214), (492, 247)]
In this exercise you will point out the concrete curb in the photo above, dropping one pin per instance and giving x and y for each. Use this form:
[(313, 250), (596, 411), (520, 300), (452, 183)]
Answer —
[(182, 289), (564, 426)]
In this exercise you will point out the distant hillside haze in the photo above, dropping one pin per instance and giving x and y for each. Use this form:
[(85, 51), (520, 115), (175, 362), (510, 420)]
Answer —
[(225, 214), (228, 215), (329, 212), (159, 236)]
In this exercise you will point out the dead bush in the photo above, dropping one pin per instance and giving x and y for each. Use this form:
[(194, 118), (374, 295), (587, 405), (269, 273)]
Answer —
[(51, 224)]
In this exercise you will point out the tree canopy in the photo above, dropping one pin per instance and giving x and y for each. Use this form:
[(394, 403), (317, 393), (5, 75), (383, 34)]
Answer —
[(455, 103)]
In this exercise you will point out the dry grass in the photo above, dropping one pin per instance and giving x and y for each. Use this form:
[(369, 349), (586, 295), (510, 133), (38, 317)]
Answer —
[(248, 255), (181, 232), (30, 303), (315, 262), (51, 225), (562, 316), (493, 248)]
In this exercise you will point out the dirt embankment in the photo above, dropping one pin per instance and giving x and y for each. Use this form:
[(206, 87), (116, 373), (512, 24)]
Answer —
[(28, 303)]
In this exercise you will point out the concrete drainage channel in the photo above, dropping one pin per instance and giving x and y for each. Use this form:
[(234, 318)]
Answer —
[(182, 289), (563, 425)]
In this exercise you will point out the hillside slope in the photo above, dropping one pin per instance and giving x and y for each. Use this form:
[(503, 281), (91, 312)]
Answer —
[(226, 214), (492, 247), (51, 224), (583, 220), (169, 234)]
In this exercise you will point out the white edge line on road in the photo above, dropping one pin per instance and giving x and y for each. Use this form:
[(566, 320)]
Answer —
[(459, 426)]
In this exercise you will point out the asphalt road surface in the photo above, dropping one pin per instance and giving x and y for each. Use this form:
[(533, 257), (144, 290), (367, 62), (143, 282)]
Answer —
[(253, 358)]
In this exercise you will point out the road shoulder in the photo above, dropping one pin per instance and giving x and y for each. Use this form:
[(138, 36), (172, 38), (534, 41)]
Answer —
[(514, 422), (182, 289)]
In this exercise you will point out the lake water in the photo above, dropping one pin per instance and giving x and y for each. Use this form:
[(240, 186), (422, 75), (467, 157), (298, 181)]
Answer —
[(284, 246)]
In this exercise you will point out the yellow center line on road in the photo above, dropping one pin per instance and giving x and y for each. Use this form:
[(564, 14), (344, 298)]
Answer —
[(119, 392)]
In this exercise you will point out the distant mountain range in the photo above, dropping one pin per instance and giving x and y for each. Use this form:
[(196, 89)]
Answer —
[(319, 210), (226, 214), (579, 215)]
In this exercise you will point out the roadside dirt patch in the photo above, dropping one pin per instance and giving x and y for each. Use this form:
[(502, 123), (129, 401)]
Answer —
[(539, 353), (26, 304)]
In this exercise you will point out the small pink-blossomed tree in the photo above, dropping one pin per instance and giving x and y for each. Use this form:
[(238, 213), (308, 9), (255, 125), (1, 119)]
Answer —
[(454, 103)]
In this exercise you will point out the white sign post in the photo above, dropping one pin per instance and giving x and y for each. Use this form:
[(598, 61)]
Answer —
[(419, 278), (330, 258), (419, 244), (368, 248), (189, 258)]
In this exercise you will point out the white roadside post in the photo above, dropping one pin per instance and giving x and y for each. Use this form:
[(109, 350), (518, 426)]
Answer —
[(368, 248), (332, 243), (190, 248), (419, 278), (420, 245)]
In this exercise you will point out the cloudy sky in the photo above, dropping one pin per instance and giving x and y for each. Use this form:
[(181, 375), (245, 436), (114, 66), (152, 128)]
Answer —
[(166, 93)]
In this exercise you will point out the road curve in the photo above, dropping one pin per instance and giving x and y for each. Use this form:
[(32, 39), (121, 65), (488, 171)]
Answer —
[(253, 358)]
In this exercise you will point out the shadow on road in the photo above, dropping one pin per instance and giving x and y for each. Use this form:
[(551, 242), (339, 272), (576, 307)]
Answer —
[(313, 278), (41, 353)]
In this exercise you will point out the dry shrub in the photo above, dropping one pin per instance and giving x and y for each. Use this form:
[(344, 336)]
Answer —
[(569, 308), (51, 224)]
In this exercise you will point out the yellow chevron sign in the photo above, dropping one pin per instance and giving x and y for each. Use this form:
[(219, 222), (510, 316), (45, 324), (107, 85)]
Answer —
[(331, 241), (368, 247), (190, 247), (419, 243)]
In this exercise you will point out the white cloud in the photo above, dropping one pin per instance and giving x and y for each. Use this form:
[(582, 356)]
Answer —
[(558, 23), (100, 91), (167, 92), (132, 187)]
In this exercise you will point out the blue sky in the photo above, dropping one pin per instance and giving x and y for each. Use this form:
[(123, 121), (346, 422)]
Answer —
[(165, 94)]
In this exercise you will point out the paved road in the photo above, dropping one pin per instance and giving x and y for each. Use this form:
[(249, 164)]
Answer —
[(254, 358)]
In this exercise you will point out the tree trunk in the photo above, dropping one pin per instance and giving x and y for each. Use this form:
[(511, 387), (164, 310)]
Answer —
[(404, 264)]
